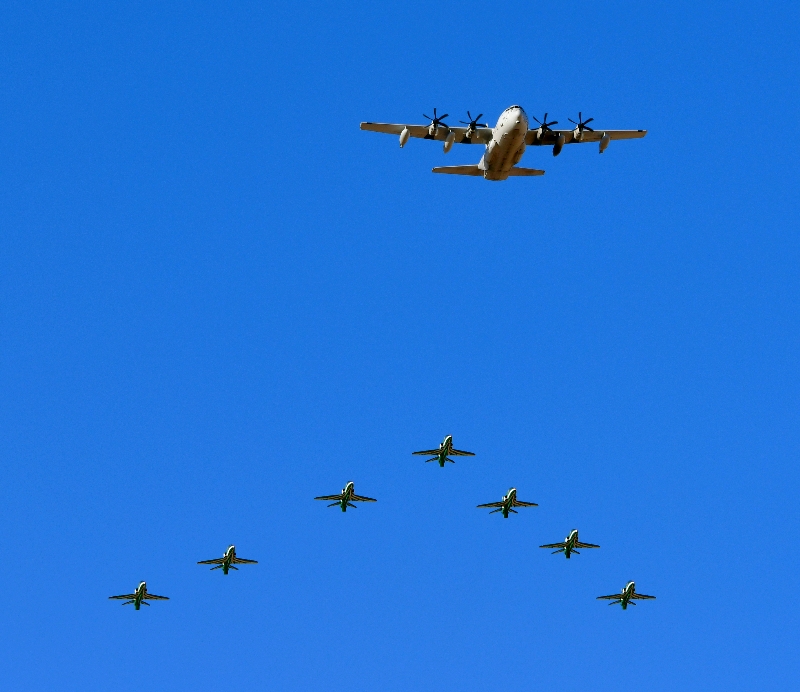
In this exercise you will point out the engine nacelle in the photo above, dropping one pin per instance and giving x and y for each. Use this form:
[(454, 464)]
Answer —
[(558, 145), (404, 135), (604, 142), (448, 142)]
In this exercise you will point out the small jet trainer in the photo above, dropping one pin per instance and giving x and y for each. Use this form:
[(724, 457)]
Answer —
[(627, 596), (228, 561), (442, 454), (346, 498), (508, 503), (139, 597), (570, 543), (504, 143)]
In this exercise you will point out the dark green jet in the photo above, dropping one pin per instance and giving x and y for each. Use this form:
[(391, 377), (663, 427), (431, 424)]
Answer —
[(228, 561), (570, 543), (139, 597), (508, 503), (627, 596), (445, 450), (346, 498)]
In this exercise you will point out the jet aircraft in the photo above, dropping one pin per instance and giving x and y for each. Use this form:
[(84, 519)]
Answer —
[(570, 543), (442, 454), (508, 503), (346, 498), (627, 596), (139, 597), (504, 143), (228, 561)]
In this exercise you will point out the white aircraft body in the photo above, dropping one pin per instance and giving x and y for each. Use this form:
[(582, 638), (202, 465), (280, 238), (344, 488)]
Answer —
[(504, 143)]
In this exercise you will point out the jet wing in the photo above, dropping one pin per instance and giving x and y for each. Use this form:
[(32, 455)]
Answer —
[(554, 545), (643, 597), (615, 597), (517, 503), (361, 498), (551, 136), (586, 545), (329, 497), (124, 597), (459, 453), (492, 504), (218, 561), (242, 561), (429, 452), (153, 597), (480, 135)]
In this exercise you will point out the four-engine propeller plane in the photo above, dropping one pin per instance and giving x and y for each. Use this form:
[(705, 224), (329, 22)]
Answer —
[(443, 453), (626, 597), (228, 561), (346, 498), (139, 597), (569, 545), (508, 503), (504, 143)]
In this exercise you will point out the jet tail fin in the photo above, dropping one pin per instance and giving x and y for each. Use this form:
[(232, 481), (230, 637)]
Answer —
[(525, 171), (459, 170)]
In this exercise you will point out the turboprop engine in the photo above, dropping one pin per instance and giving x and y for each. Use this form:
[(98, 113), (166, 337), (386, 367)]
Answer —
[(448, 142)]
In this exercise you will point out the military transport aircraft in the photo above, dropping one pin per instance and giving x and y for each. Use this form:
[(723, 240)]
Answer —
[(442, 454), (345, 498), (505, 143), (627, 596), (139, 597), (508, 503), (570, 543), (228, 560)]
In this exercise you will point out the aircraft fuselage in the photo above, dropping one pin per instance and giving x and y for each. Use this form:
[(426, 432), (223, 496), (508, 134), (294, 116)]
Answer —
[(507, 145)]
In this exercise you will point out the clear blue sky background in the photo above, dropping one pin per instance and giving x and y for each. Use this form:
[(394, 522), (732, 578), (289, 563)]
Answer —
[(220, 299)]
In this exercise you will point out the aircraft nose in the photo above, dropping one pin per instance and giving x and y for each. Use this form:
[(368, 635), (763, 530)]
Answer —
[(522, 117)]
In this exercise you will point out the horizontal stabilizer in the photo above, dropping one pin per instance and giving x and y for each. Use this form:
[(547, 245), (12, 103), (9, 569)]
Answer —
[(459, 170), (525, 171)]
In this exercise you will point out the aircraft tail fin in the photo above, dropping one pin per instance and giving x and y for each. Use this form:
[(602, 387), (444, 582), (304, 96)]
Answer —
[(459, 170), (525, 171)]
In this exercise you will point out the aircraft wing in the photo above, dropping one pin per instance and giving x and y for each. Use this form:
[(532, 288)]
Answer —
[(242, 561), (480, 135), (329, 497), (518, 503), (643, 597), (361, 498), (554, 545), (492, 504), (124, 597), (615, 597), (586, 545), (551, 136), (218, 561), (429, 452), (153, 597), (459, 453)]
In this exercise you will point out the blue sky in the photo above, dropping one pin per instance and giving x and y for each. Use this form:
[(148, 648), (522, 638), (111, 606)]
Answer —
[(219, 298)]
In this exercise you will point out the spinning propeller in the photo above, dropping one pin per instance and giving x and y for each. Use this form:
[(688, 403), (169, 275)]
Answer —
[(582, 124), (473, 122), (436, 120), (543, 124)]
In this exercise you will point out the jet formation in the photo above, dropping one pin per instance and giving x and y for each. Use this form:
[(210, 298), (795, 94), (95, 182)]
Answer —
[(504, 144)]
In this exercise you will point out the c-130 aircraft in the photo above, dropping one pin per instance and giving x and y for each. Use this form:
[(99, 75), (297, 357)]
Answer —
[(505, 143)]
